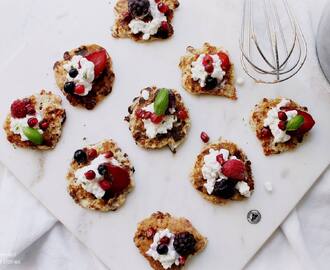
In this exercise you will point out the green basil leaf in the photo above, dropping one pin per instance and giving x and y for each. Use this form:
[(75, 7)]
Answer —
[(33, 135), (295, 123), (161, 101)]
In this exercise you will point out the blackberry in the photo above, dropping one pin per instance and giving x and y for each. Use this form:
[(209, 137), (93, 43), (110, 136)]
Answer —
[(138, 8), (184, 243), (80, 156), (224, 188), (210, 83)]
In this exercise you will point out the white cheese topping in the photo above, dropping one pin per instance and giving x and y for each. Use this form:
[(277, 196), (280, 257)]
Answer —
[(92, 186), (199, 73), (211, 169), (85, 75), (148, 28), (153, 129), (167, 260), (18, 124), (243, 188), (272, 121)]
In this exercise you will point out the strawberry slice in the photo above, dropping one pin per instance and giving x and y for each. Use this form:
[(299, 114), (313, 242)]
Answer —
[(225, 62), (99, 58), (308, 122), (234, 168), (120, 178)]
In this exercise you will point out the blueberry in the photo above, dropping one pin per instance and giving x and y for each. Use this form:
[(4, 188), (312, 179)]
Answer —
[(80, 156), (224, 188), (162, 249), (210, 82), (73, 72), (69, 87), (102, 169)]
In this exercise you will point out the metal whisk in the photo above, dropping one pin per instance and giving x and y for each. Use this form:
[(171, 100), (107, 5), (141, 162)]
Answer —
[(272, 44)]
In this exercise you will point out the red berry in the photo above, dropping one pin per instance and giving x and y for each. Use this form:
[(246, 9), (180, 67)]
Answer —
[(120, 178), (156, 119), (207, 60), (27, 101), (165, 240), (220, 159), (30, 109), (99, 59), (139, 113), (150, 233), (147, 115), (91, 153), (308, 122), (163, 8), (105, 185), (282, 125), (182, 260), (282, 116), (209, 68), (32, 122), (165, 26), (18, 109), (265, 133), (182, 114), (43, 124), (225, 62), (79, 89), (108, 154), (90, 175), (205, 138), (234, 168)]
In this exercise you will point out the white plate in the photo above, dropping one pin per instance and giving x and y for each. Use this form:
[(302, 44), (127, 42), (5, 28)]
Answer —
[(162, 179)]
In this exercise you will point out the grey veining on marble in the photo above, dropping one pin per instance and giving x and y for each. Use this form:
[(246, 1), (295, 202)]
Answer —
[(51, 27)]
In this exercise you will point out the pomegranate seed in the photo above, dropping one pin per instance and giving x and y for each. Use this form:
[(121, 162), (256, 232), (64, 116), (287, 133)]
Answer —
[(108, 154), (209, 68), (165, 240), (32, 122), (282, 125), (146, 115), (79, 89), (139, 113), (30, 109), (163, 8), (282, 116), (182, 114), (90, 175), (220, 159), (207, 60), (182, 260), (43, 124), (265, 133), (91, 153), (150, 233), (105, 185), (156, 119), (205, 138), (165, 26)]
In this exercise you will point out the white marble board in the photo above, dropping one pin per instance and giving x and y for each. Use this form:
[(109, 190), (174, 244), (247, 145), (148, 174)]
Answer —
[(162, 179)]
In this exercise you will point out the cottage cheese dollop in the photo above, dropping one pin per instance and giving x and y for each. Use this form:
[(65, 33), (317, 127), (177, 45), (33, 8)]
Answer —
[(211, 169), (153, 129), (199, 73), (167, 260), (148, 28), (92, 186), (18, 124), (272, 121), (243, 188), (85, 75)]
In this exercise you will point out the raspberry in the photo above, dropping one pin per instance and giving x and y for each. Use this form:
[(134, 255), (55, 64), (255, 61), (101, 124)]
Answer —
[(18, 109), (234, 168), (184, 243)]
